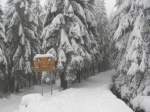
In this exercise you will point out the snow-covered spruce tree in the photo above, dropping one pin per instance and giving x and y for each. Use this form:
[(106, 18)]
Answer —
[(22, 44), (132, 38), (104, 35), (70, 32), (38, 12), (3, 61)]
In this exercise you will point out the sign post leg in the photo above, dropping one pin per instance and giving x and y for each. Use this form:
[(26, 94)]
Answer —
[(51, 83), (42, 86), (42, 90)]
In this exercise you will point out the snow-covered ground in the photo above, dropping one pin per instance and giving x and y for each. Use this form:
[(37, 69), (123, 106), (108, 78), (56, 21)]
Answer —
[(92, 95), (11, 103)]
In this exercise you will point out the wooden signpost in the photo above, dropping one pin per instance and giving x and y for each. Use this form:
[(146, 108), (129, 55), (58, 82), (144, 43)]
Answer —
[(45, 62)]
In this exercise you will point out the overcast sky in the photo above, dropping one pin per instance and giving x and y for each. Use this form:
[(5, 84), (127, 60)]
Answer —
[(109, 5)]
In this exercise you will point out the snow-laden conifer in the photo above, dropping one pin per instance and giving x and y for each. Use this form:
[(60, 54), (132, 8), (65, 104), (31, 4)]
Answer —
[(22, 35), (70, 29), (132, 39)]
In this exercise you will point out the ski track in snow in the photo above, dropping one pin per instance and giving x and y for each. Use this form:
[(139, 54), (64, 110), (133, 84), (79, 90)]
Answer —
[(92, 95)]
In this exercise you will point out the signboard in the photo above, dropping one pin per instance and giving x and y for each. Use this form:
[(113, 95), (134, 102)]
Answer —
[(44, 62)]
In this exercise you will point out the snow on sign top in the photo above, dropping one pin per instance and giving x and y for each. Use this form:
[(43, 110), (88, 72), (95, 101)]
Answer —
[(43, 56)]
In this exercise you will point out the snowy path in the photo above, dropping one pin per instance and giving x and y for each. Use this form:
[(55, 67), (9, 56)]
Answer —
[(92, 95)]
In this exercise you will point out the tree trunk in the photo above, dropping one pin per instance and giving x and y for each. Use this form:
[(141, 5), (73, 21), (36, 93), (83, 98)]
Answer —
[(63, 81)]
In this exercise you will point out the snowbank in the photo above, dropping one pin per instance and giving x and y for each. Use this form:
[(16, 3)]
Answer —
[(142, 102), (12, 102), (30, 98), (28, 101), (92, 95)]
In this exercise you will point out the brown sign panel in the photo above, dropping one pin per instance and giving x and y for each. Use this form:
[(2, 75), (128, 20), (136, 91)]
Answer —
[(44, 64)]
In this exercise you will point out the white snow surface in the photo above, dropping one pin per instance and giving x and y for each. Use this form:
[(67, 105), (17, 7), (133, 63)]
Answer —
[(92, 95), (143, 102), (10, 103), (43, 56), (30, 98)]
